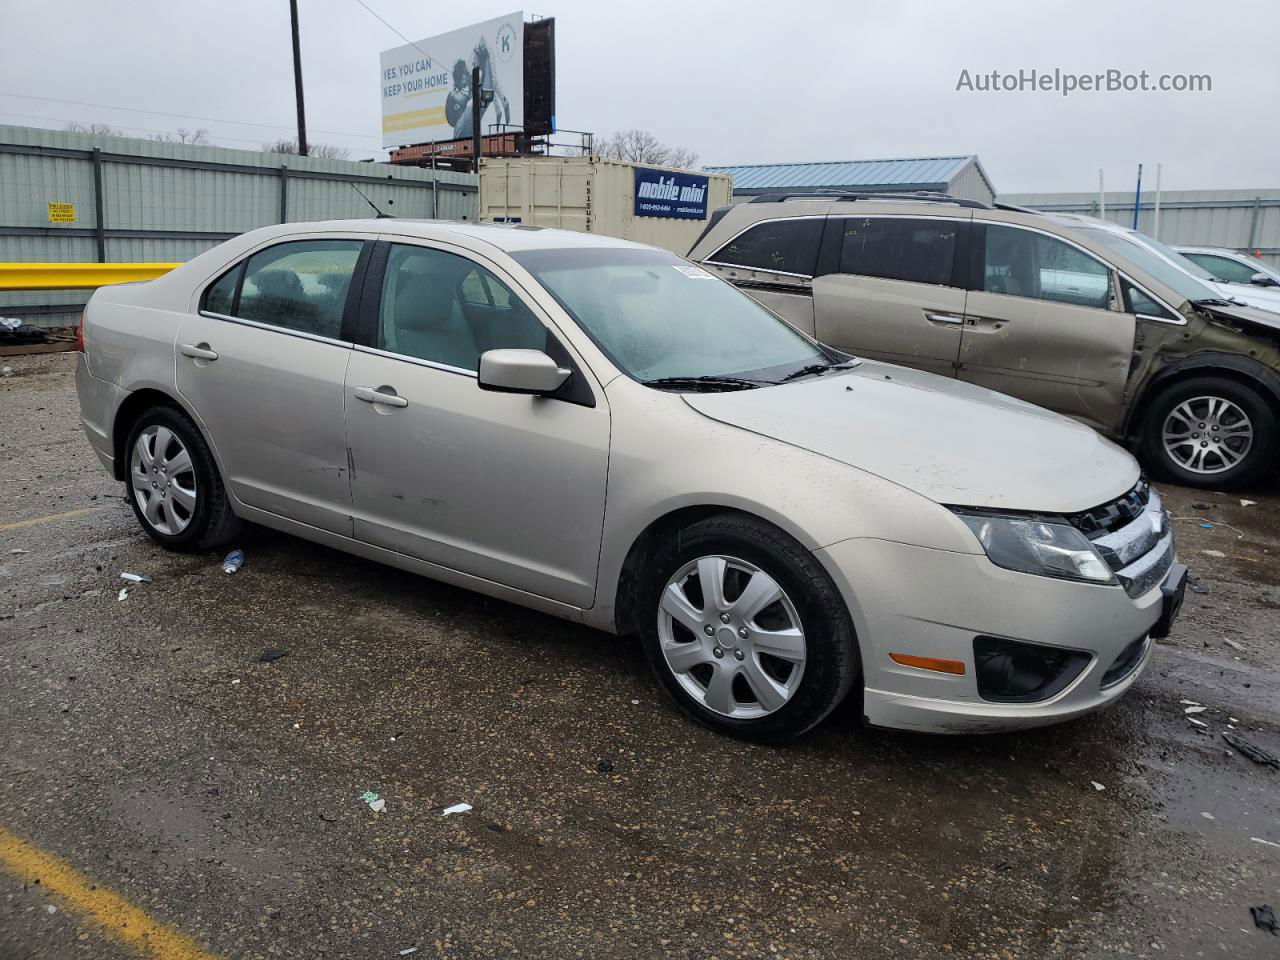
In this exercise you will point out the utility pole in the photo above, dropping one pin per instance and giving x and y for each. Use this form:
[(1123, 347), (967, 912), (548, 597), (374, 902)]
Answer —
[(297, 80), (1137, 197), (1155, 231), (480, 98)]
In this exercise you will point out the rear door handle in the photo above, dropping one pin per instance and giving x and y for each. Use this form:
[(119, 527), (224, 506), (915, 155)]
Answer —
[(944, 318), (370, 395), (198, 351)]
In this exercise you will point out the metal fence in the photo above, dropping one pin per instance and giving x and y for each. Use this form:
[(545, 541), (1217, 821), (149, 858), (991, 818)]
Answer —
[(79, 198), (1243, 220)]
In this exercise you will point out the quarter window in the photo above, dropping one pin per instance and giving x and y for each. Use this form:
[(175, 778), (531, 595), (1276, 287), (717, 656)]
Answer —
[(447, 309), (918, 251), (1138, 300), (1023, 263), (299, 286), (779, 246), (220, 296)]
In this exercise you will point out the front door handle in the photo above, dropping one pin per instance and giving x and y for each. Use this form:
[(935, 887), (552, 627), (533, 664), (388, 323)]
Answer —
[(197, 351), (944, 318), (370, 395)]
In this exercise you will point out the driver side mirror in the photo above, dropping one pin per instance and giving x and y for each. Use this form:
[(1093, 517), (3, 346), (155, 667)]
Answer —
[(1264, 280), (521, 371)]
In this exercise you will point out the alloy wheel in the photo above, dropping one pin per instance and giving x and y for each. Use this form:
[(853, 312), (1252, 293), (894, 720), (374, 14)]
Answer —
[(1207, 435), (163, 480), (731, 637)]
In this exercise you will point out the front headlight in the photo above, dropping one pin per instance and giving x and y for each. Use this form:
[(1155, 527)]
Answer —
[(1042, 546)]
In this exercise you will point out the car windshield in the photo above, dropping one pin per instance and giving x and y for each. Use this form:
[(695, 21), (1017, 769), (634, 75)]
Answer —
[(1172, 275), (1169, 253), (659, 317)]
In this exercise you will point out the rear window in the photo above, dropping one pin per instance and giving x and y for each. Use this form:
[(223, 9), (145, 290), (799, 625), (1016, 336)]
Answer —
[(779, 246)]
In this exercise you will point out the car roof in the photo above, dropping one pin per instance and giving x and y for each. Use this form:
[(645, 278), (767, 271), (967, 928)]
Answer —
[(509, 237)]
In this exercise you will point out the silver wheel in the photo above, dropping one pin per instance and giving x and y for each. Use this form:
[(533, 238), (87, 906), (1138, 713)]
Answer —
[(163, 480), (1207, 435), (731, 637)]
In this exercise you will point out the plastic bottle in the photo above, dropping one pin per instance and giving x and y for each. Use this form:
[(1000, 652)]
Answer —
[(233, 561)]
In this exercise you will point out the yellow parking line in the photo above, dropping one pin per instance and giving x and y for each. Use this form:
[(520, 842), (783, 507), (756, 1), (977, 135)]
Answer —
[(120, 918), (50, 518)]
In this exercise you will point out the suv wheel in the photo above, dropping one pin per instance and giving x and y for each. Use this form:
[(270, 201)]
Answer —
[(746, 630), (1209, 432), (174, 487)]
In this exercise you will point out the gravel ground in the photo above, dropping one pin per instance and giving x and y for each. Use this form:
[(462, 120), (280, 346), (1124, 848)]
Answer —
[(145, 744)]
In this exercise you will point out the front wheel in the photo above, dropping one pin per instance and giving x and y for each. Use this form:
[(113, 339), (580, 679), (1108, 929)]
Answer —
[(746, 630), (174, 486), (1209, 432)]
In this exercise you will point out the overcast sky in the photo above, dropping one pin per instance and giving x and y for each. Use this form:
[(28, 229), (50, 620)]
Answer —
[(736, 82)]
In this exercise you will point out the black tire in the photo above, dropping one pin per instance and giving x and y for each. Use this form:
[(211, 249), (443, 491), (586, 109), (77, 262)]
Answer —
[(1257, 458), (212, 522), (832, 664)]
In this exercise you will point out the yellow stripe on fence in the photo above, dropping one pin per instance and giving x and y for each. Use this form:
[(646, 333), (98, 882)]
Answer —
[(76, 276)]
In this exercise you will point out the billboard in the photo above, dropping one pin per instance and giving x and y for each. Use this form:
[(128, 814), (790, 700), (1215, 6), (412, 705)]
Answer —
[(426, 86), (665, 193)]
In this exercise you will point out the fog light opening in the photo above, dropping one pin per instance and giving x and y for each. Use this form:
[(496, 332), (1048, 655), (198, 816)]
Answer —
[(1008, 671)]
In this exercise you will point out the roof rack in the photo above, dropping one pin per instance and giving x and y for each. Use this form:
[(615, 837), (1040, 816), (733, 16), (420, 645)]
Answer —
[(915, 197), (1014, 208)]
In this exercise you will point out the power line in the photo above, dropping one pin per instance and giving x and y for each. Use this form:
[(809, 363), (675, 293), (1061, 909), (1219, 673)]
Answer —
[(397, 32), (182, 116)]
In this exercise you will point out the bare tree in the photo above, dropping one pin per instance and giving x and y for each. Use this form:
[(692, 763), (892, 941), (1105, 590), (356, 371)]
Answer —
[(641, 146), (97, 129), (182, 135), (325, 151)]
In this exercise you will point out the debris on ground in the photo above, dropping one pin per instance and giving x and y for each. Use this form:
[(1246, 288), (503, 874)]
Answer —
[(135, 577), (1269, 843), (1214, 553), (1201, 506), (604, 766), (1207, 815), (124, 592), (375, 802), (1264, 918), (456, 808), (271, 656), (408, 950), (1194, 584), (1198, 723), (1232, 644), (233, 561), (1195, 709), (1206, 526), (1253, 752), (1248, 503), (13, 332), (1097, 785), (17, 552), (1190, 703)]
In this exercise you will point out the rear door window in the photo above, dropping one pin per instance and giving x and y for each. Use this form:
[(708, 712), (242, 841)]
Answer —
[(1223, 268), (779, 246), (1024, 263), (301, 285), (899, 248)]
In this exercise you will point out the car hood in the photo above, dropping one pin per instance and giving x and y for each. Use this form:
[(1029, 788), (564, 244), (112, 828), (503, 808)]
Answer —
[(952, 442), (1251, 295), (1253, 319)]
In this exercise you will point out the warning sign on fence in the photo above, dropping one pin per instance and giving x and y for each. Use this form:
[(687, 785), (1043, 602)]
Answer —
[(62, 213)]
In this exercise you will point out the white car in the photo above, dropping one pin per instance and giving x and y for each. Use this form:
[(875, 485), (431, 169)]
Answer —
[(1249, 275)]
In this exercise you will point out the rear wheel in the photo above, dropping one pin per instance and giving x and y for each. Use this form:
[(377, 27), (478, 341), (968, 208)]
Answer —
[(1209, 432), (174, 487), (746, 630)]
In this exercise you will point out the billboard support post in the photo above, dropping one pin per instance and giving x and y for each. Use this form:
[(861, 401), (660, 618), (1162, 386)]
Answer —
[(477, 112), (297, 79)]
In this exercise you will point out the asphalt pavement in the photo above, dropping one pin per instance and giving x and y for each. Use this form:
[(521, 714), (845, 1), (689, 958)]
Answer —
[(169, 794)]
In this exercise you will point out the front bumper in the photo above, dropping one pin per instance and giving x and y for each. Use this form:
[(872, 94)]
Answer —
[(932, 603)]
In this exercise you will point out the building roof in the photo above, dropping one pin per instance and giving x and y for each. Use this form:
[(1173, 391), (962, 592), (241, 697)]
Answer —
[(921, 173)]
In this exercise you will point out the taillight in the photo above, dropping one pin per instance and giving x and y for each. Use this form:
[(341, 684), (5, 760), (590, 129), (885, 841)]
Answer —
[(80, 334)]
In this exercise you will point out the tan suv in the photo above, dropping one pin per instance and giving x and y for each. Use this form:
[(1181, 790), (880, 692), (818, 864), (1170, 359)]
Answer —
[(1067, 312)]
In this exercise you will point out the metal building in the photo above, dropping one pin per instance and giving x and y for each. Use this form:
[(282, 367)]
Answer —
[(80, 198), (960, 176), (1243, 220)]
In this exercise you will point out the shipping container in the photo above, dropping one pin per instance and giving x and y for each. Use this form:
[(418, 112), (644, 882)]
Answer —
[(663, 206)]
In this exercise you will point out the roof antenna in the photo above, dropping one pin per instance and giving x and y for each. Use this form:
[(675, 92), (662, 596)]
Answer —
[(381, 215)]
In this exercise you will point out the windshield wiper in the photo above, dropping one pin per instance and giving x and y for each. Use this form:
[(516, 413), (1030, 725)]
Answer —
[(705, 383), (818, 368), (1217, 302)]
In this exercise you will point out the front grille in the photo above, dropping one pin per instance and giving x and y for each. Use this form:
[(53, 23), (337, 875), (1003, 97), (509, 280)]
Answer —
[(1111, 516)]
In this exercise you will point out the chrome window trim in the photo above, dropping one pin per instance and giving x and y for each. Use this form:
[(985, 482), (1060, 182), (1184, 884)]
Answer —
[(274, 329), (751, 226), (416, 361), (1180, 322)]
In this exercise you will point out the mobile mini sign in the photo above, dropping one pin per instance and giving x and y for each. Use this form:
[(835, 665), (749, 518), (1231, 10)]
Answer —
[(663, 193), (426, 86)]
